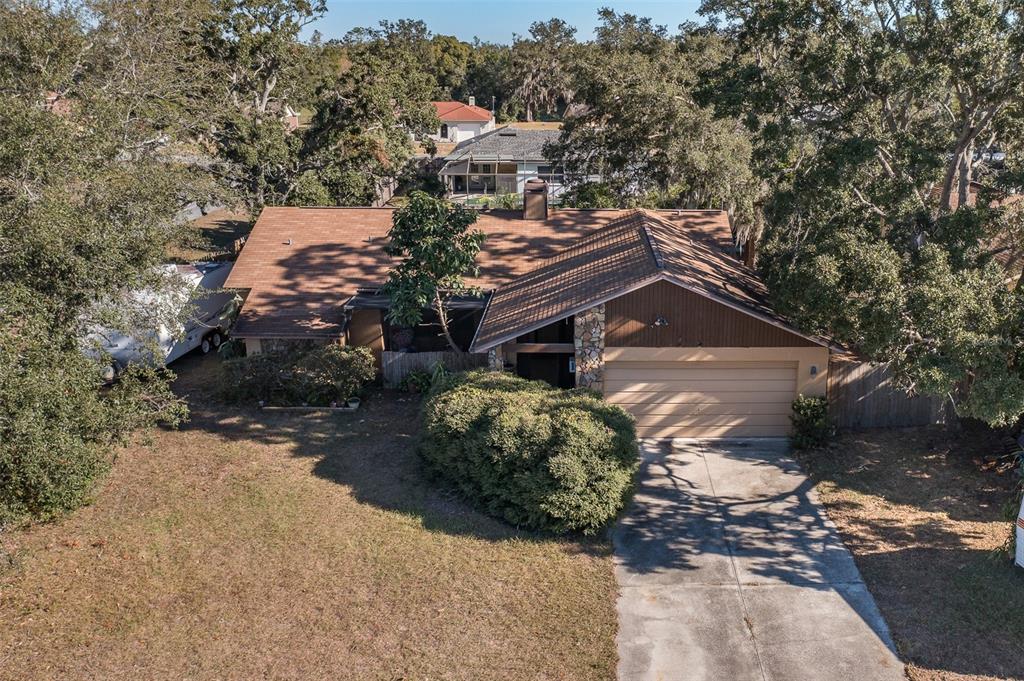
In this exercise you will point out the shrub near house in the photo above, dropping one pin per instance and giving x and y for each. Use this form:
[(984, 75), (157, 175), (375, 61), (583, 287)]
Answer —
[(811, 424), (536, 456), (331, 373)]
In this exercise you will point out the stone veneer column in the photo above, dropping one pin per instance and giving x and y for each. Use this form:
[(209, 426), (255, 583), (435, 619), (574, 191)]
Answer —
[(496, 359), (589, 343)]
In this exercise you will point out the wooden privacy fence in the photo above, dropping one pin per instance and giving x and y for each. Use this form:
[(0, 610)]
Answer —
[(862, 395), (395, 365)]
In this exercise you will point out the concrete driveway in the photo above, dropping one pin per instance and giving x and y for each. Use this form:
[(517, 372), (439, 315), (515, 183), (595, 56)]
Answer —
[(729, 570)]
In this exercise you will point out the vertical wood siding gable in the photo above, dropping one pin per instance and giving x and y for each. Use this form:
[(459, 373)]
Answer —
[(693, 321)]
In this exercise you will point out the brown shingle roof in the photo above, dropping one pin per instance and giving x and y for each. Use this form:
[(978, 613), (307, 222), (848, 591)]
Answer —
[(301, 264), (632, 251)]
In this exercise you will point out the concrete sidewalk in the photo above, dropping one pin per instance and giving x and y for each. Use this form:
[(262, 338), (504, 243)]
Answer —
[(729, 570)]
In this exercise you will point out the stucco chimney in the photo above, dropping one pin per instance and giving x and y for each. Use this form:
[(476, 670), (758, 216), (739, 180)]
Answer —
[(535, 199), (472, 101)]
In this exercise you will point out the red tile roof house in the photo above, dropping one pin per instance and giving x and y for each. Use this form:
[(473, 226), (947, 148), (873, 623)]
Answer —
[(460, 122), (653, 308)]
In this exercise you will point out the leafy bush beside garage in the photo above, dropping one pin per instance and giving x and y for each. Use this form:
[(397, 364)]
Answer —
[(811, 424), (536, 456)]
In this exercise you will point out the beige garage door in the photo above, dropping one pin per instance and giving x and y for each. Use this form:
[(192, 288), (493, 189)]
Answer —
[(704, 399)]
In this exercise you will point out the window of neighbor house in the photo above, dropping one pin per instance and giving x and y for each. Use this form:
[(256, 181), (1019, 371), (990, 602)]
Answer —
[(549, 173)]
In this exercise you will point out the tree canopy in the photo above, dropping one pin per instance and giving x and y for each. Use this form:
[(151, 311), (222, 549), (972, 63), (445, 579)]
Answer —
[(88, 198), (872, 126), (639, 129), (437, 250)]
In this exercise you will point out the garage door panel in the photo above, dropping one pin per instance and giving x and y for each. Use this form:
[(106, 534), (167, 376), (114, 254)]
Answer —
[(697, 364), (625, 398), (694, 374), (714, 431), (651, 420), (709, 408), (714, 386), (704, 399)]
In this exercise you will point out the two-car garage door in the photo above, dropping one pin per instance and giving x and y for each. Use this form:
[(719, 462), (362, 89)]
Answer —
[(704, 399)]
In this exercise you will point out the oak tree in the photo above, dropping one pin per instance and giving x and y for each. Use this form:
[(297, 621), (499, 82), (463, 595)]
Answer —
[(877, 127)]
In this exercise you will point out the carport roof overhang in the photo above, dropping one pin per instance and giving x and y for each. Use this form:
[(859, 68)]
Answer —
[(374, 299)]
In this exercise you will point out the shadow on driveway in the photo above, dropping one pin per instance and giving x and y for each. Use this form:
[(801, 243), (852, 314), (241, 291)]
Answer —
[(730, 569)]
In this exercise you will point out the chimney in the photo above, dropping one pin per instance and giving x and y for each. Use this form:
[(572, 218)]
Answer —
[(750, 253), (535, 199), (472, 101)]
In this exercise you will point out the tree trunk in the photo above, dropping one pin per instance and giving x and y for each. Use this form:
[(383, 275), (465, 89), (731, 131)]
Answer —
[(965, 176), (442, 316), (946, 197), (964, 142), (264, 100)]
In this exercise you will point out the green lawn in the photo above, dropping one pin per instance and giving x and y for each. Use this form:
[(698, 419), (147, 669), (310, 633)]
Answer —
[(249, 545)]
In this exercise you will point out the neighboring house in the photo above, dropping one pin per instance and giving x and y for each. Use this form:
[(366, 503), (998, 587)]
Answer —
[(291, 119), (460, 122), (654, 308), (500, 162)]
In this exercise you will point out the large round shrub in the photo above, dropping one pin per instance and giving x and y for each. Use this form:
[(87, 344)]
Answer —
[(539, 457)]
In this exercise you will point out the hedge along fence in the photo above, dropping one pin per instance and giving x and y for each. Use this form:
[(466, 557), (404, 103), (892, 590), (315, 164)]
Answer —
[(319, 377), (536, 456)]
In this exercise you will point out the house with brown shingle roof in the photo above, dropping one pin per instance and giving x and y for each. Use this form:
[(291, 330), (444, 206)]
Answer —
[(653, 308)]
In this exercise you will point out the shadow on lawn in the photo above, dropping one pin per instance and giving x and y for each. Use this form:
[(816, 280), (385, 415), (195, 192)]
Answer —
[(927, 554), (949, 605), (371, 451), (951, 609), (930, 469)]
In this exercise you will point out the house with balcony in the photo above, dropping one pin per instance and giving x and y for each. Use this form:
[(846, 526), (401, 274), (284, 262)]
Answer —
[(499, 163)]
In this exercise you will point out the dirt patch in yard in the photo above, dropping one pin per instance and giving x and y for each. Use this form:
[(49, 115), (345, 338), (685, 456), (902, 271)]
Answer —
[(923, 520), (250, 545), (213, 237)]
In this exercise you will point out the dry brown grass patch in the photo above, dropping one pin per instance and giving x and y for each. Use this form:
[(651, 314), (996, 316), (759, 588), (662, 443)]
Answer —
[(923, 522), (250, 545)]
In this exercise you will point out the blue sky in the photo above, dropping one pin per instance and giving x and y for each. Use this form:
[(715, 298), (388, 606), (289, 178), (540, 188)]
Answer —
[(493, 20)]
